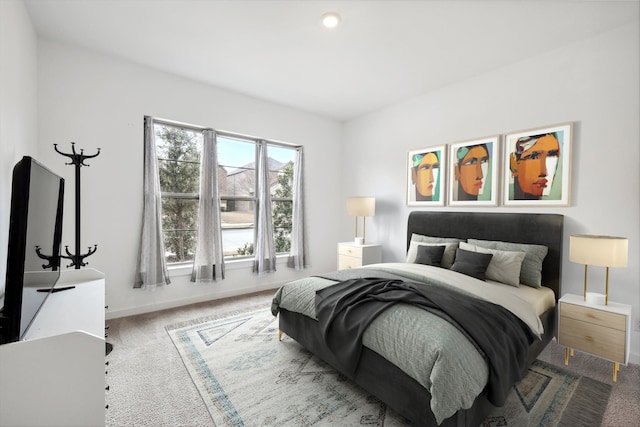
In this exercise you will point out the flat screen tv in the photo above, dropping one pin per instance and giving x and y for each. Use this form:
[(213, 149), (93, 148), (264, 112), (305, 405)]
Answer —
[(33, 256)]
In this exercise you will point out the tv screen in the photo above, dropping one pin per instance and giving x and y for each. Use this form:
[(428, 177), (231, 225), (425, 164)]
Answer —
[(33, 256)]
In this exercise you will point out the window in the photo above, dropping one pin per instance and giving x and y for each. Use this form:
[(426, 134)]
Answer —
[(179, 150), (281, 169)]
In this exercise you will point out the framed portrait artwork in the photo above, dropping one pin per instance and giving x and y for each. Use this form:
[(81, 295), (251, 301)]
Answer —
[(537, 165), (473, 172), (425, 176)]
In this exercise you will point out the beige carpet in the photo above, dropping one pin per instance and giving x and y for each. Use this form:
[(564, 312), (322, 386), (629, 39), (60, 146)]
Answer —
[(150, 386)]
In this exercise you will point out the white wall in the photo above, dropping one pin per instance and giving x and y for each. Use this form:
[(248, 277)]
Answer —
[(99, 101), (18, 105), (593, 83)]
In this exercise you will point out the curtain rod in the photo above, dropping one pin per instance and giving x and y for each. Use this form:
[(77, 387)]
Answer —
[(223, 133)]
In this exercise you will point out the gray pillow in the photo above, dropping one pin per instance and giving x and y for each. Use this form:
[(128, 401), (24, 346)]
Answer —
[(472, 264), (449, 252), (531, 271), (504, 267), (430, 255)]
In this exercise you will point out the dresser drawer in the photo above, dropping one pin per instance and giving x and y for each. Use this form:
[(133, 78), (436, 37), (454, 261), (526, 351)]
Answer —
[(594, 316), (592, 338), (345, 262)]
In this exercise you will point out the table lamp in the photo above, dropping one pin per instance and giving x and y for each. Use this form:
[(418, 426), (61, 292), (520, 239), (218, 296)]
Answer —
[(364, 207), (603, 251)]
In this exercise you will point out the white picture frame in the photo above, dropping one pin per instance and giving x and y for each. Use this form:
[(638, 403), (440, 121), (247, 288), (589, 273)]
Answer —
[(537, 166), (473, 172)]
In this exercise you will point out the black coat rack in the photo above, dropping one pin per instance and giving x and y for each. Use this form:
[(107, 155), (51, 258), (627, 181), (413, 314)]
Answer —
[(77, 159)]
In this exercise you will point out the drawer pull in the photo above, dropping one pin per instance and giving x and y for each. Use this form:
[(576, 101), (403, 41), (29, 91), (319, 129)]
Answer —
[(588, 338), (591, 315)]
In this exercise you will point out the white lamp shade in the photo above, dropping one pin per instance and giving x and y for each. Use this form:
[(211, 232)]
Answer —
[(603, 251), (361, 206)]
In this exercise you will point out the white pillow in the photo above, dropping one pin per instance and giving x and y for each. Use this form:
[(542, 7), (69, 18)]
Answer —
[(504, 266)]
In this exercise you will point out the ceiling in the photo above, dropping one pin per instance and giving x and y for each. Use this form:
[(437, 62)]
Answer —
[(383, 52)]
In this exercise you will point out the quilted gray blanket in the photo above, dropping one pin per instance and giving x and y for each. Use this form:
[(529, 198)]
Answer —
[(346, 309)]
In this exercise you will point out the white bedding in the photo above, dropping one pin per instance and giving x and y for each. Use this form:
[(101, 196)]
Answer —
[(541, 299)]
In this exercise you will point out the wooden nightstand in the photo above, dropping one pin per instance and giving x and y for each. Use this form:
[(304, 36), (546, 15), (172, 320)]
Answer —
[(351, 255), (600, 330)]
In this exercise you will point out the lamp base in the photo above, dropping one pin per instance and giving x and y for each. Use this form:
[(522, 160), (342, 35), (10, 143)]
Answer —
[(359, 241), (594, 298)]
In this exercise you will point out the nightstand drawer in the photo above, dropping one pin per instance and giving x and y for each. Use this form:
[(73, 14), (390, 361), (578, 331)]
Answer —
[(594, 316), (592, 338), (345, 262), (351, 255), (350, 251)]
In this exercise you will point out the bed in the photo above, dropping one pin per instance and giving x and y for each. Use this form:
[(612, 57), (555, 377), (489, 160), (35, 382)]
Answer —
[(414, 359)]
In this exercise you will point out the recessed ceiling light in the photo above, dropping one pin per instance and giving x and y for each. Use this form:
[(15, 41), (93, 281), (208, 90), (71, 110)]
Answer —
[(330, 19)]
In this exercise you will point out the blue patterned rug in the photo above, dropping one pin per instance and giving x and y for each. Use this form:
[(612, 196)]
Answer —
[(552, 396), (246, 377)]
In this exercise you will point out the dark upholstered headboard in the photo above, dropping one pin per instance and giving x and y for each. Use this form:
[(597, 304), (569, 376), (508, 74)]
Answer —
[(540, 229)]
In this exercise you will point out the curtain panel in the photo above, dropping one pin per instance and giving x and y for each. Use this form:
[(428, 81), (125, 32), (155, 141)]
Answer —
[(265, 253), (208, 264), (151, 270), (298, 255)]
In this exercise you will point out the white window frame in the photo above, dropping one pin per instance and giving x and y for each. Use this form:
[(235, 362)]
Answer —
[(236, 261)]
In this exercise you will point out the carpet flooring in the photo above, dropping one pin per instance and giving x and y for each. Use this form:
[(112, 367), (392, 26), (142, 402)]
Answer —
[(149, 384)]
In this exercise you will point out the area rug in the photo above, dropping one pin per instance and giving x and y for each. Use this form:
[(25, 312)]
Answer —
[(246, 377), (551, 396)]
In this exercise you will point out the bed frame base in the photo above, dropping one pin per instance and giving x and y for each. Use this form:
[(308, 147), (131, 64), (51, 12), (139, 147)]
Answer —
[(398, 390)]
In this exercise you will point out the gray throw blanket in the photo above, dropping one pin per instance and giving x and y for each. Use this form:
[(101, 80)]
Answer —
[(345, 310)]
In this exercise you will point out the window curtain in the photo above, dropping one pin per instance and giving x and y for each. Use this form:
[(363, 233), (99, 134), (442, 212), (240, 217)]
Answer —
[(298, 255), (265, 253), (208, 264), (151, 270)]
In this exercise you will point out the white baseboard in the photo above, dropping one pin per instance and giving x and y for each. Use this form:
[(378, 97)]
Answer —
[(114, 314)]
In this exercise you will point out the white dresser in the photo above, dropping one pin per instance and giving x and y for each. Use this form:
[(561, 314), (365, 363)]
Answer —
[(56, 376)]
